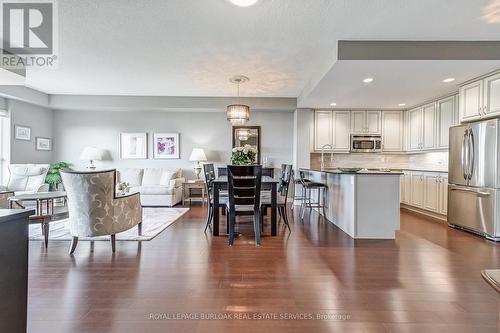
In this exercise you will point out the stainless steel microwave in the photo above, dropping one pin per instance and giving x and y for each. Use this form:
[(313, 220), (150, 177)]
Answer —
[(366, 143)]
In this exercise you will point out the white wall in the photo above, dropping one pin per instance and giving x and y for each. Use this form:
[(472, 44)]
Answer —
[(40, 121), (73, 130)]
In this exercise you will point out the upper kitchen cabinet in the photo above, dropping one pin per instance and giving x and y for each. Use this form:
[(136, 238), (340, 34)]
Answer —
[(429, 126), (446, 117), (491, 96), (392, 130), (332, 128), (471, 101), (415, 129), (480, 99), (341, 123), (366, 122), (322, 129)]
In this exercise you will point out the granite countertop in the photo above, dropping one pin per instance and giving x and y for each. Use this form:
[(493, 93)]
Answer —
[(361, 172), (9, 214)]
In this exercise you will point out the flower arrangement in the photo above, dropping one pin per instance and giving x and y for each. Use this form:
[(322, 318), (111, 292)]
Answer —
[(243, 155), (123, 187)]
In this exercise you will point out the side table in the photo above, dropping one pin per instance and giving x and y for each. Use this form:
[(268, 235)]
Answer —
[(190, 185)]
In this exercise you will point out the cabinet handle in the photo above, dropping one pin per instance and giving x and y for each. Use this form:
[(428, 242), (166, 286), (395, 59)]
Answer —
[(484, 110), (479, 111)]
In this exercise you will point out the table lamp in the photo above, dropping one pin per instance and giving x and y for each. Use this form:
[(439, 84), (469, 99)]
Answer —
[(91, 154), (197, 155)]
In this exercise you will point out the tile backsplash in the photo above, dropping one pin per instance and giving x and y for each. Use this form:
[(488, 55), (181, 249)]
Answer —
[(433, 161)]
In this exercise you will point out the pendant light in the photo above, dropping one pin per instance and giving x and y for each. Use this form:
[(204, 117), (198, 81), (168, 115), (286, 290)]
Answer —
[(238, 114)]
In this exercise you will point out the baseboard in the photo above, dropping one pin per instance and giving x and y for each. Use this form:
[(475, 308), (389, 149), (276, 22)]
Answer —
[(439, 217)]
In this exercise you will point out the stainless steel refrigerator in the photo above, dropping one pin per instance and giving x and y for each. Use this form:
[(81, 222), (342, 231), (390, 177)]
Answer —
[(474, 178)]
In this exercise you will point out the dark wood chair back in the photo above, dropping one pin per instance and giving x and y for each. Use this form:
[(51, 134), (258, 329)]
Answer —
[(221, 171), (286, 175), (268, 172), (209, 172), (244, 184)]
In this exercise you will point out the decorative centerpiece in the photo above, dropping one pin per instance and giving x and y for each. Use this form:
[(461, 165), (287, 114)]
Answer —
[(123, 188), (243, 155)]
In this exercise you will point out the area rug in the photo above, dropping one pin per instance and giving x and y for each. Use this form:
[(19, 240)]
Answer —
[(155, 220)]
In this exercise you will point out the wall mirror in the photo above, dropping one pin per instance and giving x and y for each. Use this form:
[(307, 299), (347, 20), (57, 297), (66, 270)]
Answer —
[(247, 135)]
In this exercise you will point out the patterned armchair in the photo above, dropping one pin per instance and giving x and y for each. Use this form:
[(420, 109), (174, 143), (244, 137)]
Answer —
[(95, 210), (4, 199)]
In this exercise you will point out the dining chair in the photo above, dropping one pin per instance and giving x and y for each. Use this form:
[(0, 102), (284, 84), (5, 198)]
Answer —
[(244, 183), (281, 202), (221, 171), (209, 171)]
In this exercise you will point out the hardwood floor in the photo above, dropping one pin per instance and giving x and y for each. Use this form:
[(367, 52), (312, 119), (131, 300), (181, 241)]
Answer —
[(427, 280)]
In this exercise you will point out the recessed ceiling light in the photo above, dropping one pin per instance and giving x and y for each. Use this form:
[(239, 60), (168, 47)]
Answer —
[(368, 80), (448, 80), (333, 104), (402, 104), (244, 3)]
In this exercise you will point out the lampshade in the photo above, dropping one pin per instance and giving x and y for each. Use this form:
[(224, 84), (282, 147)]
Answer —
[(197, 155), (238, 114), (92, 153)]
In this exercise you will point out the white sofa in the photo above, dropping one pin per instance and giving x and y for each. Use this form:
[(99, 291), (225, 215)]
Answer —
[(158, 186), (27, 178)]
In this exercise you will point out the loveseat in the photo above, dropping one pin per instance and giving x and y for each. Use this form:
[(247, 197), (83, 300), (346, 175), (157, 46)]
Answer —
[(157, 186)]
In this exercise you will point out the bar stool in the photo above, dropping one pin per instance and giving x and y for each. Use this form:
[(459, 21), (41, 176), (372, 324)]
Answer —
[(308, 186), (298, 182)]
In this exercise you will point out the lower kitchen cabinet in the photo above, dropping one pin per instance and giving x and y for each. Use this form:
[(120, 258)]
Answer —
[(427, 191), (417, 189), (443, 194)]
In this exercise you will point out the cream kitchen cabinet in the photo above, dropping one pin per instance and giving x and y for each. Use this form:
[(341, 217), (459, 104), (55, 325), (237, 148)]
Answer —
[(422, 128), (431, 192), (443, 193), (427, 191), (341, 124), (366, 122), (333, 128), (446, 117), (392, 131), (414, 129), (322, 129), (480, 99), (417, 189), (405, 187), (428, 140)]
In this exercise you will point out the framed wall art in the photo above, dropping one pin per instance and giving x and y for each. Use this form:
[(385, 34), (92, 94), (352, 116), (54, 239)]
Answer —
[(166, 145), (133, 146)]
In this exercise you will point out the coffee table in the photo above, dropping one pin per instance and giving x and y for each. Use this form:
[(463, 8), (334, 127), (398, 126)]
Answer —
[(43, 200)]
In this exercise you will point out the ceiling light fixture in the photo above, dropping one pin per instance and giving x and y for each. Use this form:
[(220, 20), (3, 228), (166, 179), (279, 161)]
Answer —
[(244, 3), (238, 114), (448, 80), (333, 104), (402, 104), (368, 80)]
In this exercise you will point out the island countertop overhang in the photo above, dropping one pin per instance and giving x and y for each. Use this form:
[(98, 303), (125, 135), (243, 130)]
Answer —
[(361, 172)]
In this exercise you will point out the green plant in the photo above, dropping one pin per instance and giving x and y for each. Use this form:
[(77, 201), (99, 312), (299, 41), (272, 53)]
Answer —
[(54, 176), (243, 155)]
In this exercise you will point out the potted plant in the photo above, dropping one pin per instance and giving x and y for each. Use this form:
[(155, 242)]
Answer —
[(243, 155), (54, 176)]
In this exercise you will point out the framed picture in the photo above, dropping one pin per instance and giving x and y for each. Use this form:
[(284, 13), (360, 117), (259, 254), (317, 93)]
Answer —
[(166, 145), (43, 143), (133, 146), (22, 132)]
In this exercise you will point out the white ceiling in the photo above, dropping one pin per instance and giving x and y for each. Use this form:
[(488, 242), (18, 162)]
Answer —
[(395, 82), (192, 47)]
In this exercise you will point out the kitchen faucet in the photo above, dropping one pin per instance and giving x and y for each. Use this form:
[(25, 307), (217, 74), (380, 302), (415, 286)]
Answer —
[(323, 155)]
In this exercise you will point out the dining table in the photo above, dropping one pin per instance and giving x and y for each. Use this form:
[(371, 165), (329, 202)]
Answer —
[(268, 183)]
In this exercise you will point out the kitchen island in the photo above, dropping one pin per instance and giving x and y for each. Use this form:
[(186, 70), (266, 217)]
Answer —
[(364, 204)]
